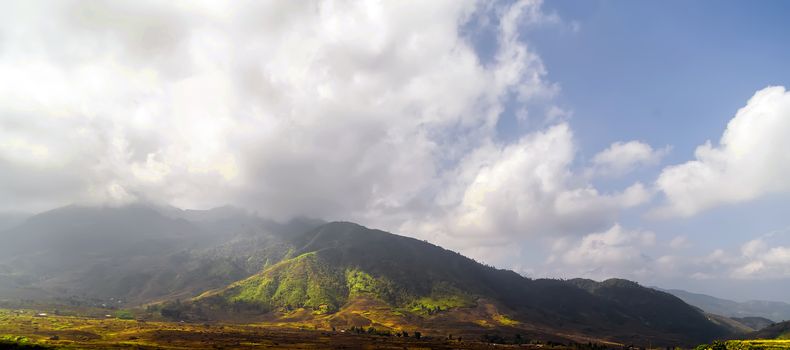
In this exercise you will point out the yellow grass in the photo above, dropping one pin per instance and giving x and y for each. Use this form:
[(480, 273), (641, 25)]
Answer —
[(76, 332), (754, 344)]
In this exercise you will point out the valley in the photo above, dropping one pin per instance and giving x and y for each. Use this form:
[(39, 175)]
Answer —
[(28, 328)]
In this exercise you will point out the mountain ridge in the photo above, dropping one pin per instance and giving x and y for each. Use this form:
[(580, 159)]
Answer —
[(341, 263), (775, 311), (231, 265)]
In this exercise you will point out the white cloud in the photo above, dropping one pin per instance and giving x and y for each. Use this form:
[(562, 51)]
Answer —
[(628, 253), (377, 112), (679, 242), (204, 103), (619, 252), (760, 258), (615, 252), (502, 194), (623, 157), (750, 161)]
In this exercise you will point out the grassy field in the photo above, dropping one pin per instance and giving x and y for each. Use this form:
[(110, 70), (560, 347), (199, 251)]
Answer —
[(751, 344), (27, 330)]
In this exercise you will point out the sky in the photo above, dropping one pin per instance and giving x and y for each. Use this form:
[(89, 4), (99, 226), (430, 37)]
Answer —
[(597, 139)]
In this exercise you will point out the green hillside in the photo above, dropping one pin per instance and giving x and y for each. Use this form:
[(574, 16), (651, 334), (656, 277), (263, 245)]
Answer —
[(340, 271), (301, 282), (318, 281)]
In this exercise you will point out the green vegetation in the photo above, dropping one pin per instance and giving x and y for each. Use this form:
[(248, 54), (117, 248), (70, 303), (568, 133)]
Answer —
[(18, 342), (14, 339), (124, 315), (361, 283), (443, 297), (303, 281), (308, 281)]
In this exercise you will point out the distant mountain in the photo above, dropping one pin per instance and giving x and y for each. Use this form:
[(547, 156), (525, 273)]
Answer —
[(773, 310), (226, 212), (755, 323), (135, 253), (734, 327), (11, 219), (343, 274), (776, 331)]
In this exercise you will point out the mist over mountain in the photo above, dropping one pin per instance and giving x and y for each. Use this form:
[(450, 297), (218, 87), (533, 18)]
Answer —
[(11, 219), (135, 253)]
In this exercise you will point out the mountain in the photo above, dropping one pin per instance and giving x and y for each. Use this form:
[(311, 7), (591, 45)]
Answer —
[(135, 253), (773, 310), (779, 330), (733, 326), (227, 264), (11, 219), (342, 274), (755, 323)]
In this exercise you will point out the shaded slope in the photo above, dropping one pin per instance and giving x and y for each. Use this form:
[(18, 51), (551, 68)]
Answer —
[(98, 251), (656, 309), (733, 326), (755, 323), (779, 330), (136, 253)]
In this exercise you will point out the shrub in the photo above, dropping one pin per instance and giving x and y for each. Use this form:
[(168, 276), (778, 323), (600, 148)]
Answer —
[(124, 315)]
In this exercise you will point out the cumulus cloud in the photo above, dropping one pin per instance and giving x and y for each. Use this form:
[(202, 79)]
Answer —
[(207, 102), (377, 112), (623, 157), (679, 242), (749, 161), (503, 193), (762, 258), (637, 254), (615, 252)]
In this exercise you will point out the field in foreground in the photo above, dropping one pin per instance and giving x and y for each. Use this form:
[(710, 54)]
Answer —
[(26, 329), (751, 344)]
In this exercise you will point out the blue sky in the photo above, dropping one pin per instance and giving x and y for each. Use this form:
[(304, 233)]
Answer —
[(670, 73), (557, 138)]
